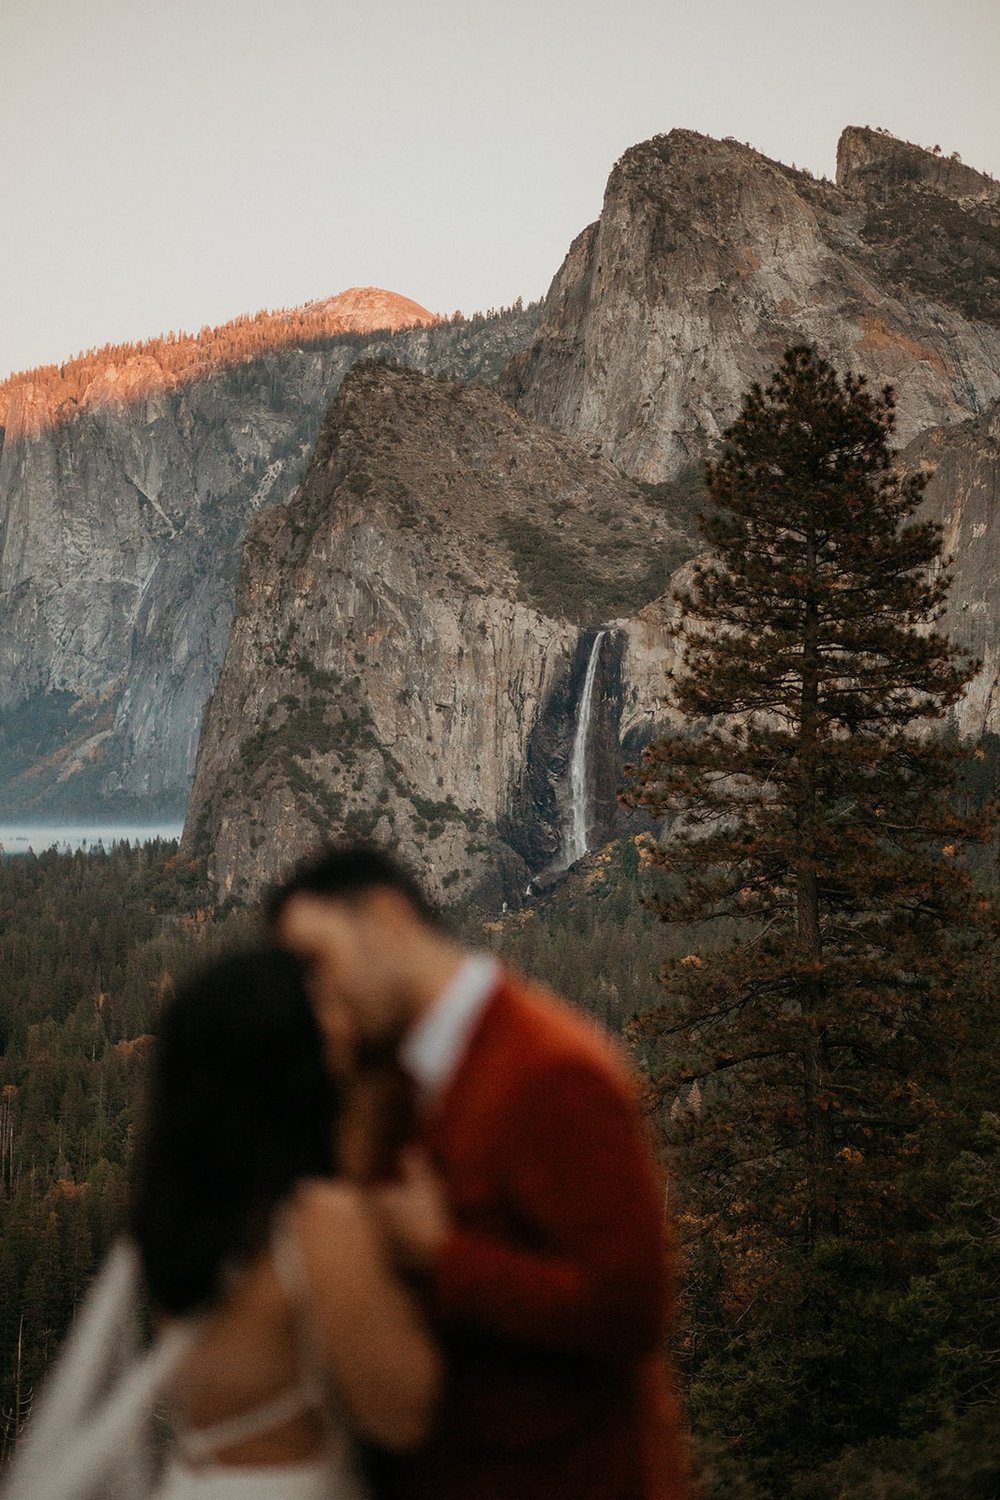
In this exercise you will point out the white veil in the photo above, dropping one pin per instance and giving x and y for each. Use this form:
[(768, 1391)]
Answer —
[(89, 1436)]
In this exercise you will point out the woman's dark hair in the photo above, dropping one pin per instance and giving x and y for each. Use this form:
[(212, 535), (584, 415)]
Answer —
[(240, 1107)]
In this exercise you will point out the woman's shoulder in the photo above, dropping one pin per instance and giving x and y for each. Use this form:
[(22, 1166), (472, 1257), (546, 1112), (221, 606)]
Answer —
[(321, 1199), (329, 1215)]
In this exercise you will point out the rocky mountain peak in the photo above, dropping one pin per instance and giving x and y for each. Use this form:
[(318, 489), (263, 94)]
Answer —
[(709, 260), (873, 163), (361, 309), (927, 221), (681, 152), (410, 634)]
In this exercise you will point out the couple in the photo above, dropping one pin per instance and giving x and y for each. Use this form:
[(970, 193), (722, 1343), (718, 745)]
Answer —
[(400, 1228)]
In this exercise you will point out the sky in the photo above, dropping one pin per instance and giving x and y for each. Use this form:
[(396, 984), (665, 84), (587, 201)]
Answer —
[(173, 163)]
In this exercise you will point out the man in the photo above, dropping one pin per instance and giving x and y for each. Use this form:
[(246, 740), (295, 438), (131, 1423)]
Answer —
[(539, 1232)]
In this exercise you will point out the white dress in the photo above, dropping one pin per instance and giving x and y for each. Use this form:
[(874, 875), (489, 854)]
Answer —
[(88, 1436), (309, 1481), (333, 1475)]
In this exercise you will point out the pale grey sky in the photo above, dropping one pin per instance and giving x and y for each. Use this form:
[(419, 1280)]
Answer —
[(171, 163)]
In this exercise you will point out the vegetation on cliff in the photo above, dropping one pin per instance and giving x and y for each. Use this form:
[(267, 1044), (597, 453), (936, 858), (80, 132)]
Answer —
[(946, 250), (932, 223)]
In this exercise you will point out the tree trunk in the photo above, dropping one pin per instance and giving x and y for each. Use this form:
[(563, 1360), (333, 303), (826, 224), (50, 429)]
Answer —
[(817, 1122)]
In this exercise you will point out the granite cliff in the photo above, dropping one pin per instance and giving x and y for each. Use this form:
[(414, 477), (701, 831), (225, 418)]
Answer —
[(443, 625), (963, 495), (709, 260), (415, 620), (121, 521), (411, 637)]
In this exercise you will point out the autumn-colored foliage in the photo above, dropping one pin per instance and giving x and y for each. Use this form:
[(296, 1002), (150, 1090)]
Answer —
[(34, 399)]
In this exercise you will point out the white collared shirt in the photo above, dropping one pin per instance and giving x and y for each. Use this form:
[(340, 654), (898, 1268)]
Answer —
[(432, 1050)]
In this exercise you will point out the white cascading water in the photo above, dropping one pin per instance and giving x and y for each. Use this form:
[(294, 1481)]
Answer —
[(578, 822)]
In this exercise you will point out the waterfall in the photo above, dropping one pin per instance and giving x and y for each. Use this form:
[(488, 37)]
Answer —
[(577, 823)]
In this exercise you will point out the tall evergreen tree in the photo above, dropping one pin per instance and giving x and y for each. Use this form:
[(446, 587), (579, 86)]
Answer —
[(813, 833), (811, 819)]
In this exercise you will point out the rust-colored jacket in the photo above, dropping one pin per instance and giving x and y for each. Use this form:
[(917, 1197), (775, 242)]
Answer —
[(552, 1295)]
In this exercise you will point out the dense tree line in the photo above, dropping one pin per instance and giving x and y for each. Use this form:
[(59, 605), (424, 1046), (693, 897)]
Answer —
[(87, 942)]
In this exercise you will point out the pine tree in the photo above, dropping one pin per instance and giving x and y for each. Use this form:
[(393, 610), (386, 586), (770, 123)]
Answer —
[(814, 835), (811, 824)]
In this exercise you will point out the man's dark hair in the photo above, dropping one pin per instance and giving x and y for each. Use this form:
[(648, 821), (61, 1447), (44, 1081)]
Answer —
[(345, 873)]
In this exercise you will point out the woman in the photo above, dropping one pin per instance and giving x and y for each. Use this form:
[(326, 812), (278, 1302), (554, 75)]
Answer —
[(286, 1326)]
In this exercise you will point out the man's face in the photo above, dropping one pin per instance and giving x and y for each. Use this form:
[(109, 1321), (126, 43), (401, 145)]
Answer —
[(347, 952)]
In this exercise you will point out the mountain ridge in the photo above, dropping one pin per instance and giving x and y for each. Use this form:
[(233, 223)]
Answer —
[(120, 535), (707, 262), (33, 399), (120, 530)]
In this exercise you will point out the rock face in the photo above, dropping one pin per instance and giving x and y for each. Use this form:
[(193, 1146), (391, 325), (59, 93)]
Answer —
[(120, 532), (406, 658), (930, 223), (709, 260), (415, 619), (876, 166), (964, 496)]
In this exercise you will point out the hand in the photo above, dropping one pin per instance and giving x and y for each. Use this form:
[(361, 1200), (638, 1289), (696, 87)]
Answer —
[(413, 1212)]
